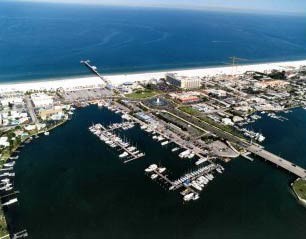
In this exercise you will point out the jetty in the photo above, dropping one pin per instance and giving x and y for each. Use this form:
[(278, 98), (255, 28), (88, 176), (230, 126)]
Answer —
[(94, 70)]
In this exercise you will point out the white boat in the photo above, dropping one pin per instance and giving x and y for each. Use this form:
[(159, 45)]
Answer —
[(160, 138), (10, 164), (132, 148), (165, 143), (154, 176), (143, 127), (196, 186), (261, 138), (219, 170), (151, 168), (140, 155), (123, 155), (184, 154), (7, 174), (46, 133), (161, 170), (200, 161), (188, 197), (175, 149), (5, 180), (10, 202), (196, 197), (191, 155)]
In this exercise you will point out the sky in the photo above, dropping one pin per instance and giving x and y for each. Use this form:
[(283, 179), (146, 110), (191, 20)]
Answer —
[(290, 6)]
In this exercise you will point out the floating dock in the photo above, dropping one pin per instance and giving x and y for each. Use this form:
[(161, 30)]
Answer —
[(129, 152)]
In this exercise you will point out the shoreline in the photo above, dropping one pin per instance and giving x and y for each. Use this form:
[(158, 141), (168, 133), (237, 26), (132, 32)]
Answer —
[(116, 79)]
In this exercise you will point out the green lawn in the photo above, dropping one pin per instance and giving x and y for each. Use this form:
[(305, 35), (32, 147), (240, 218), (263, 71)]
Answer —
[(142, 94), (189, 110), (3, 226), (299, 186)]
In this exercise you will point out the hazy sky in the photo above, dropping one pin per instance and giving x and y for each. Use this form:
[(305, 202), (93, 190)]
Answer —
[(254, 5)]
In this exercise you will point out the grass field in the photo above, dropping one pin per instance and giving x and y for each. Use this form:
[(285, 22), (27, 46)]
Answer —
[(299, 186), (142, 94), (189, 110)]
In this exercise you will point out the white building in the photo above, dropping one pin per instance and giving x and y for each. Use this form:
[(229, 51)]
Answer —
[(227, 121), (4, 142), (41, 100), (11, 100), (184, 82)]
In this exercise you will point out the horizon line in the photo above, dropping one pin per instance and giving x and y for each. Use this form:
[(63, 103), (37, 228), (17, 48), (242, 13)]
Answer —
[(199, 8)]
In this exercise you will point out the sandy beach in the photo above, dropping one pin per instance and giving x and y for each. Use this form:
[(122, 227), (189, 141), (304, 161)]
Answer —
[(91, 81)]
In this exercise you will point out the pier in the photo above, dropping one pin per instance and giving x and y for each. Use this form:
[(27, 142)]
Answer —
[(95, 71), (193, 175), (283, 163), (129, 152)]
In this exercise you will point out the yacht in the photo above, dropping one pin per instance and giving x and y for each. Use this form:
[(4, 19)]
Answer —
[(161, 170), (11, 201), (175, 149), (154, 176), (188, 197), (10, 164), (165, 143), (151, 168), (200, 161), (191, 155), (196, 186), (195, 197), (123, 155), (46, 133)]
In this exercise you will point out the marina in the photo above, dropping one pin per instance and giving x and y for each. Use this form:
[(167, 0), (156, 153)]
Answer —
[(127, 151), (193, 182)]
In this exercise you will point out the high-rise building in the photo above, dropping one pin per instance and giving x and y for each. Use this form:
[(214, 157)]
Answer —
[(184, 82)]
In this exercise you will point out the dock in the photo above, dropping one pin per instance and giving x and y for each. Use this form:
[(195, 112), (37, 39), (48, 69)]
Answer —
[(193, 175), (114, 141), (95, 71)]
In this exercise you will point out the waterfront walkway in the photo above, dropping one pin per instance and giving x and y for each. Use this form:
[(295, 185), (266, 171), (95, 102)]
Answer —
[(283, 163)]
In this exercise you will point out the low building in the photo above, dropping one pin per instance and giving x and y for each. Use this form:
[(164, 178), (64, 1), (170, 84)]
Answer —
[(184, 82), (237, 119), (4, 142), (42, 100), (271, 84), (227, 121), (45, 114), (11, 100), (186, 97)]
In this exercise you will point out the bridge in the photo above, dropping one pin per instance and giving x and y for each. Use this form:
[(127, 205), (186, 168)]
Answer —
[(283, 163), (253, 148)]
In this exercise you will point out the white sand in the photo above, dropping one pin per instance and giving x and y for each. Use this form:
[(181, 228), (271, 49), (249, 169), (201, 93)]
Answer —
[(84, 82)]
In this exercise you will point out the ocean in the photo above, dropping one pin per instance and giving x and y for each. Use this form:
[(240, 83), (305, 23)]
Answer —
[(39, 41), (71, 185), (74, 186)]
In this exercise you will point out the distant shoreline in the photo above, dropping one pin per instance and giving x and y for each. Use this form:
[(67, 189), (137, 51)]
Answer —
[(116, 79)]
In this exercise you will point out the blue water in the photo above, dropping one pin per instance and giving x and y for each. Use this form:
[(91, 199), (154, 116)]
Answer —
[(73, 186), (48, 40)]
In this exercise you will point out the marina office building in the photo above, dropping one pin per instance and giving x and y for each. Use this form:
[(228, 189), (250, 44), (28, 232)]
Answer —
[(184, 82)]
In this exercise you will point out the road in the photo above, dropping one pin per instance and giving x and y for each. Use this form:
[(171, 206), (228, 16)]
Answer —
[(297, 170), (31, 109)]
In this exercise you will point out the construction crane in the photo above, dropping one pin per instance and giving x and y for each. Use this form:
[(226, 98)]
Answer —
[(235, 60)]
